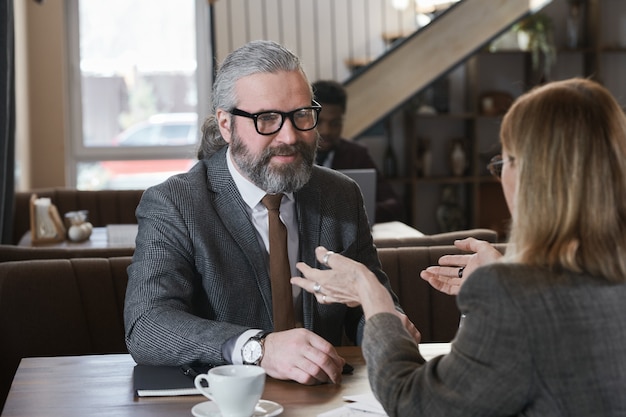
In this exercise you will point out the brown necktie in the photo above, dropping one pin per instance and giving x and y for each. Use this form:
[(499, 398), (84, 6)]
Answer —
[(280, 272)]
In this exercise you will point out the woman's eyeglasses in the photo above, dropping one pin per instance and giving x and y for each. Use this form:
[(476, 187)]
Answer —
[(495, 165)]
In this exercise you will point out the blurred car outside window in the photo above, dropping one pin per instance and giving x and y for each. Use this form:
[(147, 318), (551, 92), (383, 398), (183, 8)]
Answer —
[(169, 129)]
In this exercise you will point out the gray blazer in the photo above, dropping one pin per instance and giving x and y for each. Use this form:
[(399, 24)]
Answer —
[(199, 275), (533, 343)]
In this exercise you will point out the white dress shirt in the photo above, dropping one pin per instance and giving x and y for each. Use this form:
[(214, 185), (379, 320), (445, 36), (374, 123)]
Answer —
[(252, 196)]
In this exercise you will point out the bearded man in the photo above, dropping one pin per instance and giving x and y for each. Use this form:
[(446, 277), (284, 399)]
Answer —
[(199, 288)]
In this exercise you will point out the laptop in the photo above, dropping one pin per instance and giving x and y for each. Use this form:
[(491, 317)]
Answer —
[(366, 178), (122, 234)]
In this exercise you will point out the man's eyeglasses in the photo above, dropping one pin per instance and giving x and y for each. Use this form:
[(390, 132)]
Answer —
[(270, 122), (495, 165)]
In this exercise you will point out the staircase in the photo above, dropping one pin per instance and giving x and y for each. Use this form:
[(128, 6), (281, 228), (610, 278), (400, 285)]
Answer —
[(413, 63)]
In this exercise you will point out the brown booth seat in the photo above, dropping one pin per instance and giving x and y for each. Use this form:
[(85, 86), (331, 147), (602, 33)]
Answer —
[(58, 307), (438, 239), (24, 253)]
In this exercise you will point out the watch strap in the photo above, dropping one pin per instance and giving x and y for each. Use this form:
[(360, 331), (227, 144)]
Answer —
[(260, 336)]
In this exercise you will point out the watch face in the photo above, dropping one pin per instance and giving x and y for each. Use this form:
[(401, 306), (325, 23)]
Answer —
[(252, 351)]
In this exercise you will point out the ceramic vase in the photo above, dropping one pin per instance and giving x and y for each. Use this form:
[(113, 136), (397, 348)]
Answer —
[(458, 158)]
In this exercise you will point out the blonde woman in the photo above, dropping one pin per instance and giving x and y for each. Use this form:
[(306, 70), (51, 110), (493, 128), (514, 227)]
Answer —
[(545, 328)]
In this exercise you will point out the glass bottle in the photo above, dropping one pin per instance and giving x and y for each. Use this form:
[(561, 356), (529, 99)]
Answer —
[(390, 163)]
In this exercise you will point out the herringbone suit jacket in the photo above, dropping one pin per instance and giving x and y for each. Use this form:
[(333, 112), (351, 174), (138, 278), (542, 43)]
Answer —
[(199, 275)]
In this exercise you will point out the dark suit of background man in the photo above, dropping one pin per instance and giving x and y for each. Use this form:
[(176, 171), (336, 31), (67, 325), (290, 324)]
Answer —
[(199, 286), (338, 153)]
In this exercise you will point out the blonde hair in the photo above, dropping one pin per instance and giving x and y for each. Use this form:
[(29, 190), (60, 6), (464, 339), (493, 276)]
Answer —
[(568, 141)]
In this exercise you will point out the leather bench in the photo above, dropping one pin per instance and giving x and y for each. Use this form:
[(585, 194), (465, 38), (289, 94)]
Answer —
[(57, 307)]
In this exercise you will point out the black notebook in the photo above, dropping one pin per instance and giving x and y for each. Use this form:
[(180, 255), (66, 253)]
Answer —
[(158, 381)]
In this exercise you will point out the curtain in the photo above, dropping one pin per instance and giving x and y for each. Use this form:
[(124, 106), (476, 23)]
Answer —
[(7, 120)]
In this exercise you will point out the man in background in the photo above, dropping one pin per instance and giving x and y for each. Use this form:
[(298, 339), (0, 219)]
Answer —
[(338, 153)]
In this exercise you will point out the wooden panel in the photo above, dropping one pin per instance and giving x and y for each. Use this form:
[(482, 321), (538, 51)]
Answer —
[(494, 213), (426, 55)]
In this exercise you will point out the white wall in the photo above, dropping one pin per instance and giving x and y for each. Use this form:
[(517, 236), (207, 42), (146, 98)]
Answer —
[(322, 33)]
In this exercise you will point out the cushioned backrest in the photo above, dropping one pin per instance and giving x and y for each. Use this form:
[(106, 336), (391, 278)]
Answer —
[(447, 238), (60, 307), (104, 206), (102, 285), (434, 313), (402, 266), (23, 253), (445, 315)]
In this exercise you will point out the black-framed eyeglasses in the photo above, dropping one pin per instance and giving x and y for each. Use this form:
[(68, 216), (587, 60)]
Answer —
[(269, 122), (495, 165)]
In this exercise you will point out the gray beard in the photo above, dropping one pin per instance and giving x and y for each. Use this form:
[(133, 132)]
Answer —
[(273, 180)]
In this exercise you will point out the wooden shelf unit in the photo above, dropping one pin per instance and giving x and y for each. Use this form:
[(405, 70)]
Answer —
[(602, 57)]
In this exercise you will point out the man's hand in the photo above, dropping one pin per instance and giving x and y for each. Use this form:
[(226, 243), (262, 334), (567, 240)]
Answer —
[(302, 356), (445, 277)]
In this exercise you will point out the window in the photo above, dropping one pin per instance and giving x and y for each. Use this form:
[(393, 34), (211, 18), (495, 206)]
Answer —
[(140, 77)]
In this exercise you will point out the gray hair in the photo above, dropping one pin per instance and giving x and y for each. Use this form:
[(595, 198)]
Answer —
[(255, 57)]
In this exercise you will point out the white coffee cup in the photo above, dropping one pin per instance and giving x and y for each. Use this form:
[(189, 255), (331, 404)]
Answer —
[(236, 389)]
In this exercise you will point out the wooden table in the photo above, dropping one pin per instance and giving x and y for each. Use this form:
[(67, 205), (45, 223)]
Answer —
[(79, 386), (112, 236), (123, 235)]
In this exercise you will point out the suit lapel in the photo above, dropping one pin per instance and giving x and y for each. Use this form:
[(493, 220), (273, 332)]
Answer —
[(231, 210), (308, 203)]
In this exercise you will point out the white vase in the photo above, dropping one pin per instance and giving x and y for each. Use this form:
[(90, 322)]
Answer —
[(458, 159), (523, 40)]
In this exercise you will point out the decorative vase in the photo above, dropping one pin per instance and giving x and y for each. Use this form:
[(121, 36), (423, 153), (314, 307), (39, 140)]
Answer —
[(523, 40), (450, 216), (458, 158), (390, 164), (424, 158), (79, 229), (574, 24)]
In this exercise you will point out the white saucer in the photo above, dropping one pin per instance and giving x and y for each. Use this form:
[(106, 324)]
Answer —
[(209, 409)]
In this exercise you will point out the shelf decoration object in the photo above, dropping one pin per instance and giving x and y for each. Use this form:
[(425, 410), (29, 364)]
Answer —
[(574, 23), (495, 103), (424, 162), (450, 215), (458, 157), (536, 34), (390, 161)]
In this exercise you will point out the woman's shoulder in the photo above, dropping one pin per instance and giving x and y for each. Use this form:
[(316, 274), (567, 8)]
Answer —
[(522, 280)]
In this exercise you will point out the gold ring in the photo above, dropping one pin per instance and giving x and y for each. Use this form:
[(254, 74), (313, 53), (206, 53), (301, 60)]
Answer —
[(326, 256)]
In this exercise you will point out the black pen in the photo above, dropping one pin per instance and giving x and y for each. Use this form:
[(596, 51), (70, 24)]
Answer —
[(347, 369), (189, 371)]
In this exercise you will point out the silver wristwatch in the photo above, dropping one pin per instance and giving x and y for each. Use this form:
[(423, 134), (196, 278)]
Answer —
[(253, 350)]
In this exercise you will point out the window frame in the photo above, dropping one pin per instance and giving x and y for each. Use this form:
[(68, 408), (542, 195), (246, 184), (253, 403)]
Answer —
[(77, 152)]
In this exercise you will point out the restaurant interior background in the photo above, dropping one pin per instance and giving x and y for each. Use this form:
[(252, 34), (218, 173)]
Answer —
[(95, 80)]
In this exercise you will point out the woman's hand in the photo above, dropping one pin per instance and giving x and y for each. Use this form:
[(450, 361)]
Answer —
[(347, 281), (453, 270)]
